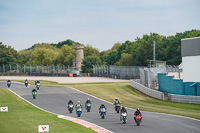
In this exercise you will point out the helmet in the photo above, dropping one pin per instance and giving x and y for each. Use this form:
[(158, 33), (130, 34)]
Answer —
[(123, 108), (78, 101), (102, 104), (88, 99), (138, 109), (116, 98)]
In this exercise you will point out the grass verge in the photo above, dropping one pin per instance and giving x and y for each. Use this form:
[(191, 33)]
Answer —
[(25, 118)]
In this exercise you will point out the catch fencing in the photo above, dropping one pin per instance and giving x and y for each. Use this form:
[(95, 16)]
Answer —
[(146, 90), (184, 98), (173, 68), (35, 69), (147, 78), (122, 72)]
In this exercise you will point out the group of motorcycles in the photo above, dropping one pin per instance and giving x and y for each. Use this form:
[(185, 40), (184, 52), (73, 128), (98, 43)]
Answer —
[(79, 109), (102, 112), (88, 106), (123, 116)]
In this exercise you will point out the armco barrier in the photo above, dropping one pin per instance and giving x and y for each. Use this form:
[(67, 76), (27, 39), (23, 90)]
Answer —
[(184, 98), (147, 91)]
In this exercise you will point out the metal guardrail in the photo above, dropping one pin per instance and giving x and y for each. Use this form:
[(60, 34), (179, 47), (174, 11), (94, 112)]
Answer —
[(184, 98), (147, 91)]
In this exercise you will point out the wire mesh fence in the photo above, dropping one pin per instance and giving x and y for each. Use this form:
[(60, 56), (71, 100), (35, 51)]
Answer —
[(35, 69), (116, 71)]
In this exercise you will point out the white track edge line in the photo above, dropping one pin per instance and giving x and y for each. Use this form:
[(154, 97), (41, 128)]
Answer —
[(55, 113)]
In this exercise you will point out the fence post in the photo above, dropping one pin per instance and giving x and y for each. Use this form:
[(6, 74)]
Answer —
[(3, 68), (30, 69), (170, 97), (17, 69), (24, 69)]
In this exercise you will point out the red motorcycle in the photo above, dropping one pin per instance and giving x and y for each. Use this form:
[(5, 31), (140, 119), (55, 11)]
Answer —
[(138, 120)]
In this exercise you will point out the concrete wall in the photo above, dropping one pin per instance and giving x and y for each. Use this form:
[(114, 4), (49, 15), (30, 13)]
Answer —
[(176, 86)]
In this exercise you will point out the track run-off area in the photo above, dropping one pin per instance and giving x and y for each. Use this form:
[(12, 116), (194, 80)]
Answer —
[(54, 99)]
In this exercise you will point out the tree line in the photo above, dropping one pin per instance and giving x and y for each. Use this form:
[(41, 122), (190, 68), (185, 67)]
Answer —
[(129, 53)]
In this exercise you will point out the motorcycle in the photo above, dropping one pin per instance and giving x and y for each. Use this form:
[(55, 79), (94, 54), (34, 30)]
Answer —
[(78, 111), (117, 107), (38, 86), (9, 84), (34, 93), (102, 113), (70, 108), (26, 83), (124, 117), (138, 120), (88, 107)]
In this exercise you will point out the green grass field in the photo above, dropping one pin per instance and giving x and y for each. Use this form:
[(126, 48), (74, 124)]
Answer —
[(25, 118), (132, 98)]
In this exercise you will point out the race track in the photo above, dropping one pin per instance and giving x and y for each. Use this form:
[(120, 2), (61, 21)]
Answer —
[(55, 99)]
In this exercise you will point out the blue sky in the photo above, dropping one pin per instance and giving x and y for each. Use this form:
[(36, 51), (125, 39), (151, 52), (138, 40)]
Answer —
[(100, 23)]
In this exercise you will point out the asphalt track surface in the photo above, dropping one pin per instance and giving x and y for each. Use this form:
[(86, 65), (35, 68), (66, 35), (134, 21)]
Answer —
[(55, 99)]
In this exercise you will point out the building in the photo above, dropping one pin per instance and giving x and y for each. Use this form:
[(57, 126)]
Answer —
[(190, 84)]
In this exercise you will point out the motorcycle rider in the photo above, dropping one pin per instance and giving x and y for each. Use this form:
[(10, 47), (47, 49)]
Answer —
[(116, 101), (9, 83), (26, 81), (123, 110), (37, 81), (34, 90), (87, 101), (101, 106), (137, 112), (70, 102), (78, 104)]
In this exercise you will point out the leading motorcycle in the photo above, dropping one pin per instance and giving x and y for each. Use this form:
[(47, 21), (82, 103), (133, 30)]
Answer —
[(8, 83)]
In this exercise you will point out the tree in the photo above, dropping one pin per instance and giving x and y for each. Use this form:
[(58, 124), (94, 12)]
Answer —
[(67, 55), (88, 62), (90, 51), (44, 54), (8, 56), (125, 60), (111, 59)]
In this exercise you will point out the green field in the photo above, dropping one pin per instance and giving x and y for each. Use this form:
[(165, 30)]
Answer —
[(132, 98), (22, 117)]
